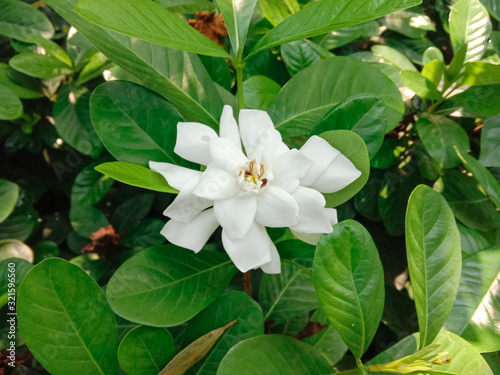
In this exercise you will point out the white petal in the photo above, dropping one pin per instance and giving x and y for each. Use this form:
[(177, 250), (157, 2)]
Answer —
[(192, 142), (216, 184), (187, 205), (312, 215), (321, 153), (288, 168), (194, 235), (274, 266), (236, 215), (226, 155), (228, 128), (276, 208), (310, 238), (252, 251), (340, 173), (175, 175), (260, 138), (332, 215)]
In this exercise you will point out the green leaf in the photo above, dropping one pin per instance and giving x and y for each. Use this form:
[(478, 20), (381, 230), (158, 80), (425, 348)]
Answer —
[(87, 220), (94, 68), (483, 176), (72, 119), (288, 294), (478, 301), (440, 135), (176, 75), (21, 267), (11, 107), (465, 359), (273, 355), (433, 53), (420, 85), (490, 143), (146, 350), (9, 193), (92, 265), (276, 11), (349, 281), (64, 316), (300, 54), (20, 224), (493, 7), (470, 24), (325, 16), (22, 92), (434, 259), (89, 187), (53, 49), (472, 241), (15, 249), (365, 115), (480, 73), (297, 251), (469, 204), (353, 148), (149, 21), (237, 16), (131, 211), (259, 92), (229, 307), (433, 71), (135, 175), (310, 94), (411, 23), (39, 66), (143, 234), (150, 287), (45, 249), (426, 164), (394, 57), (479, 101), (20, 21), (136, 125), (194, 352), (347, 35)]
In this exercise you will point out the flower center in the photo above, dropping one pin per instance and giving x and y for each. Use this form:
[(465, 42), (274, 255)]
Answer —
[(254, 176)]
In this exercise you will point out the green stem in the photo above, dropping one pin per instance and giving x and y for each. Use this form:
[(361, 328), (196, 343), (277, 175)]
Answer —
[(348, 372), (361, 367), (238, 66)]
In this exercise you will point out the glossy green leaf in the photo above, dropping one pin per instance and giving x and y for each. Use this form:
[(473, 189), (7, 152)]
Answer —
[(426, 164), (11, 107), (349, 281), (45, 249), (131, 211), (310, 94), (440, 135), (433, 71), (72, 119), (89, 187), (135, 175), (259, 92), (143, 234), (20, 224), (20, 21), (9, 193), (92, 265), (470, 24), (480, 73), (52, 49), (472, 241), (490, 143), (150, 287), (273, 355), (411, 22), (87, 220), (347, 35), (420, 85), (479, 101), (434, 259), (325, 16), (94, 68), (22, 92), (177, 75), (232, 306), (478, 301), (237, 16), (288, 294), (352, 147), (15, 249), (366, 201), (300, 54), (64, 317), (39, 66), (465, 359), (483, 176), (469, 204), (297, 251), (433, 53), (276, 11), (365, 115), (394, 57), (149, 21), (136, 125), (146, 350)]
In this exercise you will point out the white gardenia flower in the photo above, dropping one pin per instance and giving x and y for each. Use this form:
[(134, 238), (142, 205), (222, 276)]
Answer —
[(268, 185)]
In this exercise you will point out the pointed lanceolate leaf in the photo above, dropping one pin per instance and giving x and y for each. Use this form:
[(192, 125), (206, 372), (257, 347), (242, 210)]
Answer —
[(434, 259), (273, 355), (64, 317), (349, 281), (237, 16), (149, 21), (150, 288), (324, 16)]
